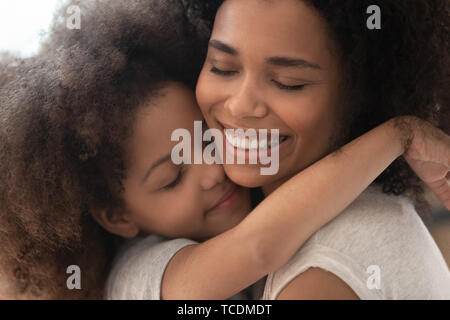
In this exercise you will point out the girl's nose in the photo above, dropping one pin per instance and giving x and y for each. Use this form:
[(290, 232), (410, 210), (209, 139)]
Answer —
[(212, 175)]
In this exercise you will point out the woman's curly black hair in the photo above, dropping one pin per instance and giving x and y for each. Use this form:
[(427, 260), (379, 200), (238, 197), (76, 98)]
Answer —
[(401, 69), (65, 113)]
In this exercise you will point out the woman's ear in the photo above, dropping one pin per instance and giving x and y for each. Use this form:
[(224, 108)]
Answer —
[(115, 222)]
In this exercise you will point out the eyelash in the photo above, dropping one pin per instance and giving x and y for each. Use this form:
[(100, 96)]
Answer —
[(176, 182), (222, 73), (278, 84), (288, 88)]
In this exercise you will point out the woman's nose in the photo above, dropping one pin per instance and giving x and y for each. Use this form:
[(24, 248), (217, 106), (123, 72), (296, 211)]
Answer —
[(212, 175), (244, 102)]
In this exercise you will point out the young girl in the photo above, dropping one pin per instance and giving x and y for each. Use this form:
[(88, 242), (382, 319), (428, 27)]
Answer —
[(316, 71), (86, 129)]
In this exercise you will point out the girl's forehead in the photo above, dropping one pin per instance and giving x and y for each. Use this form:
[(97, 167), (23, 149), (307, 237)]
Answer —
[(174, 107)]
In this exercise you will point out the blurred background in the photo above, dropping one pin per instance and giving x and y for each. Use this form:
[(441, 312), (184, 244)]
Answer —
[(24, 23), (440, 226)]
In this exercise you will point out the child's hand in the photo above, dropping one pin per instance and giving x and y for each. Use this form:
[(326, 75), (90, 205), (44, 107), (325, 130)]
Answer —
[(427, 151)]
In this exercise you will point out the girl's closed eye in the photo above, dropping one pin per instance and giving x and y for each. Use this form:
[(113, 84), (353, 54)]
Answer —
[(175, 182)]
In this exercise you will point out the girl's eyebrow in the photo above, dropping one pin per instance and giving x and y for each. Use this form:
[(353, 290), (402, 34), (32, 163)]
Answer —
[(276, 61), (155, 165)]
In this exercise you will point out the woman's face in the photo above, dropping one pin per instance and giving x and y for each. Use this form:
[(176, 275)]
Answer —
[(192, 201), (272, 65)]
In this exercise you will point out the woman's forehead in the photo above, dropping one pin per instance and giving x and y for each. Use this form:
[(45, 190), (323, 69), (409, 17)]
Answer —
[(256, 25)]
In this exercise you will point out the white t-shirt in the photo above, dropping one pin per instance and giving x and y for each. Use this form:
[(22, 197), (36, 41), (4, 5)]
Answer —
[(139, 267), (375, 231), (379, 246)]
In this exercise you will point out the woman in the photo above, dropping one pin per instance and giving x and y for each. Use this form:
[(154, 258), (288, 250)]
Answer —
[(314, 71)]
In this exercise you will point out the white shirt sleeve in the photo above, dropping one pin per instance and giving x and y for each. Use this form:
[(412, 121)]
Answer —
[(139, 267), (138, 270), (379, 246)]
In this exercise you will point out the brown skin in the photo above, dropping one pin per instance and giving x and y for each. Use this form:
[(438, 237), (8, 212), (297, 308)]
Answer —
[(239, 88), (87, 133), (249, 95), (172, 201), (317, 284), (379, 85)]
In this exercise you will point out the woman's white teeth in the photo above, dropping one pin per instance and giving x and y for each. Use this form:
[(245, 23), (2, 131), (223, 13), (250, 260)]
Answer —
[(248, 143)]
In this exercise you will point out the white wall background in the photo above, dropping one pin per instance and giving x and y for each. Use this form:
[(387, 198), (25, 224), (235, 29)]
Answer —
[(23, 23)]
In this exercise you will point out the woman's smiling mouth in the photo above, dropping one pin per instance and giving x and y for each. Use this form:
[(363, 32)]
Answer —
[(252, 142)]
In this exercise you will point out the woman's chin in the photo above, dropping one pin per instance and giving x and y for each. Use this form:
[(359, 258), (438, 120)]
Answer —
[(248, 176)]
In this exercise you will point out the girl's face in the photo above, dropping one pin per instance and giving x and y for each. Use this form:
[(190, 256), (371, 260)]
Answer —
[(192, 201), (270, 65)]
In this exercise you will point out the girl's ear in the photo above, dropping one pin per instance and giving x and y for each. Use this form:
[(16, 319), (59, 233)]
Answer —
[(115, 222)]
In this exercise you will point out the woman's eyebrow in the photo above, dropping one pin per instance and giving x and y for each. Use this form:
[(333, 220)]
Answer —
[(219, 45), (155, 165), (291, 62), (276, 61)]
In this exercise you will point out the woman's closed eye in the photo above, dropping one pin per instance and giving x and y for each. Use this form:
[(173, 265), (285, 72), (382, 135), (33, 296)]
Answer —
[(220, 72), (287, 87), (279, 85)]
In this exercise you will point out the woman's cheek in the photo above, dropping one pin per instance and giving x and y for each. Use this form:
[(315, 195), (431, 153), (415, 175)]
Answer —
[(312, 112), (205, 92), (299, 113)]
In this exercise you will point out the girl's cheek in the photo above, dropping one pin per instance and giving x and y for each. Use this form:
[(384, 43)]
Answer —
[(188, 200)]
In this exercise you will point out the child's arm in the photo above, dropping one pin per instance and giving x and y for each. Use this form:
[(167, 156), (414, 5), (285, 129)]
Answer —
[(271, 234)]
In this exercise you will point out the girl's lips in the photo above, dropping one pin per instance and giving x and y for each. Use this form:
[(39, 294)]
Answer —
[(227, 200)]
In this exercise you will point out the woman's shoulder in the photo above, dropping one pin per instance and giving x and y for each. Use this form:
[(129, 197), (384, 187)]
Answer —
[(139, 266), (378, 234), (376, 217), (380, 227)]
